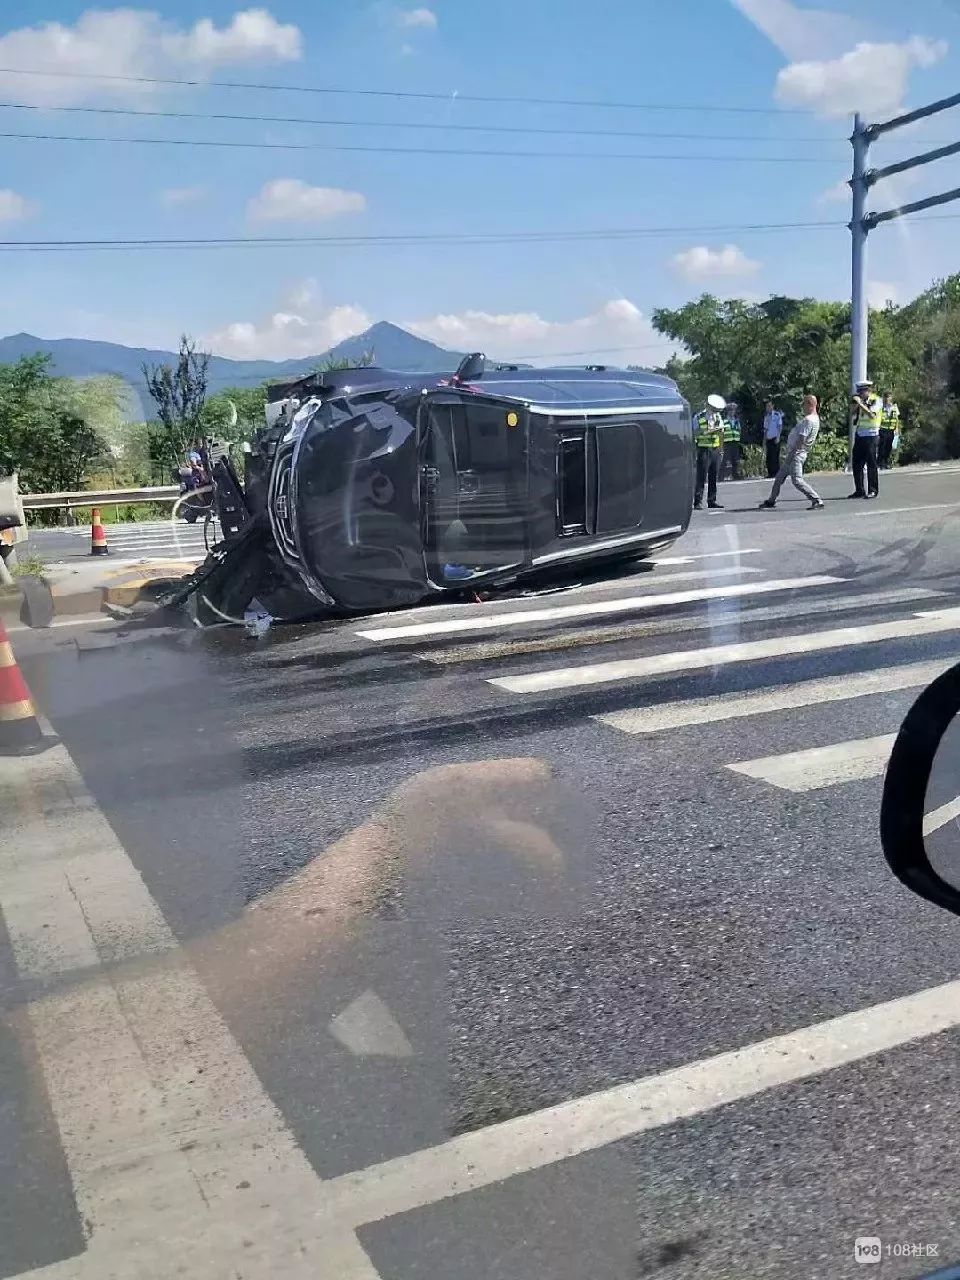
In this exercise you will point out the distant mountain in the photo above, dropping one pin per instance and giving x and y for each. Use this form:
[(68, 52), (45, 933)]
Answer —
[(392, 347)]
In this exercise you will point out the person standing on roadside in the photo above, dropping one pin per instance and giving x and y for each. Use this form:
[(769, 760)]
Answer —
[(888, 432), (867, 421), (799, 443), (732, 434), (772, 430), (708, 437)]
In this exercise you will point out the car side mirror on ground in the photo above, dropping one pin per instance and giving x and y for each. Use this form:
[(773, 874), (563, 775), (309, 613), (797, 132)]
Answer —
[(920, 812)]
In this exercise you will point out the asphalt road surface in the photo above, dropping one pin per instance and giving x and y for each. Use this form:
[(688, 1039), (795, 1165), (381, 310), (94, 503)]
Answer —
[(148, 539), (543, 937)]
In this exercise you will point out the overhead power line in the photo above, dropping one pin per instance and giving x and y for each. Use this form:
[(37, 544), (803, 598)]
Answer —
[(400, 239), (470, 153), (420, 95), (431, 125)]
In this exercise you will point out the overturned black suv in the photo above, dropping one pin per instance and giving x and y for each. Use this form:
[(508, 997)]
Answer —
[(371, 489)]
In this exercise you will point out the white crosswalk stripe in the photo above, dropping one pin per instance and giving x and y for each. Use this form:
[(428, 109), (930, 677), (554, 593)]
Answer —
[(940, 817), (594, 608), (805, 693), (817, 767), (730, 614), (926, 623)]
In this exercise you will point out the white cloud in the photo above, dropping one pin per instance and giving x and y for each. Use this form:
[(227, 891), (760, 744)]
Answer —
[(253, 35), (14, 207), (872, 78), (292, 200), (880, 292), (174, 197), (133, 42), (418, 18), (703, 263), (619, 332), (301, 326), (800, 33)]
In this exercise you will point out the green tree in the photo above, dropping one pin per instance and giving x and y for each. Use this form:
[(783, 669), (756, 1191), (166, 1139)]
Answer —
[(23, 389), (52, 429), (179, 392), (250, 403), (778, 349), (928, 333)]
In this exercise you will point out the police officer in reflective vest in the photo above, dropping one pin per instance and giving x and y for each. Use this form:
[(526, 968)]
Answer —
[(708, 435), (867, 421), (888, 432), (731, 441)]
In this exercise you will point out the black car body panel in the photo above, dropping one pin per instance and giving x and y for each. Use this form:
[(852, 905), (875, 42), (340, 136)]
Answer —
[(385, 488)]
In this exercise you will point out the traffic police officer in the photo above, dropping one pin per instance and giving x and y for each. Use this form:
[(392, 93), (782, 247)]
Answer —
[(867, 421), (708, 435), (888, 432), (731, 441)]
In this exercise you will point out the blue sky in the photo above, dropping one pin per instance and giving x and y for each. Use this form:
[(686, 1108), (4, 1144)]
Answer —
[(805, 68)]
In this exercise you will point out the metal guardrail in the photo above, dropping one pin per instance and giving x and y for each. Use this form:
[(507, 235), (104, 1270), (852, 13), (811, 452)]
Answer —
[(99, 497)]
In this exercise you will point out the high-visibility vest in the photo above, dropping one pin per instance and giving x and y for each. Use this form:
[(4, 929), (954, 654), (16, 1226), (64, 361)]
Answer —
[(708, 430), (731, 431), (869, 424), (891, 416)]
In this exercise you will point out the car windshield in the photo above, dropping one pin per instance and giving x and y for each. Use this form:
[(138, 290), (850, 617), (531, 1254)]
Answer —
[(474, 518)]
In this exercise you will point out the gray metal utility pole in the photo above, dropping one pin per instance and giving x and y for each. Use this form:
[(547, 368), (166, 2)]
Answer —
[(859, 312), (862, 223)]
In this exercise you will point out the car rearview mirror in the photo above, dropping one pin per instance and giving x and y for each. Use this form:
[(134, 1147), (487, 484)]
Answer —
[(920, 812)]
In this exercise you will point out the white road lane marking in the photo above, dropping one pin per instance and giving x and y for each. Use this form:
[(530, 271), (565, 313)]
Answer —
[(367, 1028), (726, 654), (454, 609), (920, 473), (817, 767), (167, 1132), (893, 511), (938, 818), (584, 1124), (805, 693), (707, 555), (79, 620), (596, 608), (717, 620), (657, 579)]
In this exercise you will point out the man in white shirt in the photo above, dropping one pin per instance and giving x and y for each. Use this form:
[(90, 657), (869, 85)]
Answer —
[(772, 428), (799, 444)]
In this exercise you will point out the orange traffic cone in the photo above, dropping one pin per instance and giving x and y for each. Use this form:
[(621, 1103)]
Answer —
[(20, 732), (98, 535)]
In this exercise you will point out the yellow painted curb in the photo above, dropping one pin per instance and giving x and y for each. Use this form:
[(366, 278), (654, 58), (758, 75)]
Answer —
[(153, 568), (142, 586)]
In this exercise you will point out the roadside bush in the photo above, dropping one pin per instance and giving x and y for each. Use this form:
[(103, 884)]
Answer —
[(752, 462), (829, 453)]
